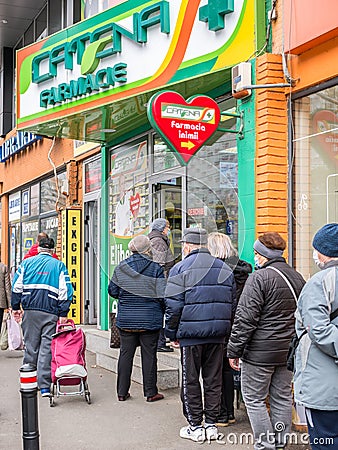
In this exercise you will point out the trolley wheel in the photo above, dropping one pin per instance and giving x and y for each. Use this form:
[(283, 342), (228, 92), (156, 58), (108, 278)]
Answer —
[(87, 397)]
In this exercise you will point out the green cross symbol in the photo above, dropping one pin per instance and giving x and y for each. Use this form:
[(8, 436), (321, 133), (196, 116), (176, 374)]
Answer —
[(214, 13)]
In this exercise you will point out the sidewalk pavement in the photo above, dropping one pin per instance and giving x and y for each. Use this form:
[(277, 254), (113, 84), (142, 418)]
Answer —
[(106, 424)]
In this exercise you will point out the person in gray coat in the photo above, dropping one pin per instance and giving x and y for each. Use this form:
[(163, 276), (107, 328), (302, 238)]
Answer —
[(5, 291), (263, 327), (316, 376)]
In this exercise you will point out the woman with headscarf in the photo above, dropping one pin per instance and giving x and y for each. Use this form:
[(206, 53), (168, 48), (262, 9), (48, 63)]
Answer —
[(138, 284), (263, 327)]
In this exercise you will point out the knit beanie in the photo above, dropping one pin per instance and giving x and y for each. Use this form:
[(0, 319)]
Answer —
[(139, 244), (158, 224), (325, 241)]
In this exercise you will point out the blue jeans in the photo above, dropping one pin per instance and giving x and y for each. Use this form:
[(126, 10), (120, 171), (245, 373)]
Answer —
[(257, 383)]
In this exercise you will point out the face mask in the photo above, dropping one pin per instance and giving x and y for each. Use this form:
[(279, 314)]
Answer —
[(257, 265), (168, 233), (316, 259)]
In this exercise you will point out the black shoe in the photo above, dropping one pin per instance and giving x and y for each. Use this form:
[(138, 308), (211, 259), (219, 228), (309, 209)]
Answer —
[(123, 398), (222, 422), (231, 418), (165, 349)]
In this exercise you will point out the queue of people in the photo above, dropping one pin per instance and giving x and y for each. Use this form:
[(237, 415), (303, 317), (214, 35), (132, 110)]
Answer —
[(226, 318)]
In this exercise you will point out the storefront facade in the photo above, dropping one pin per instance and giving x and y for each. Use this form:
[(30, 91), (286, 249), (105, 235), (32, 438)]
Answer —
[(314, 142), (93, 82)]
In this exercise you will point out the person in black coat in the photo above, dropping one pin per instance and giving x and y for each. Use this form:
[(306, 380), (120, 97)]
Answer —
[(221, 247), (138, 283), (200, 302), (263, 327)]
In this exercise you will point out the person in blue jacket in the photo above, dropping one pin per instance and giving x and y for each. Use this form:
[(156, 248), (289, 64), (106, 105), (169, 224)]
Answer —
[(200, 302), (42, 287), (138, 283), (316, 377)]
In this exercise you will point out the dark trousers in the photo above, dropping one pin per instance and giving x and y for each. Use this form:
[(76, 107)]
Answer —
[(322, 429), (161, 339), (148, 342), (204, 359), (228, 397)]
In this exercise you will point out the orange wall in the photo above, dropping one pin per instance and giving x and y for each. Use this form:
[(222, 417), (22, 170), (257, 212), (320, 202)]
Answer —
[(308, 23), (316, 65)]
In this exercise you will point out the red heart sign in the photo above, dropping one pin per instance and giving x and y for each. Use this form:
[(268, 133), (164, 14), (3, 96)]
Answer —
[(135, 205), (184, 125)]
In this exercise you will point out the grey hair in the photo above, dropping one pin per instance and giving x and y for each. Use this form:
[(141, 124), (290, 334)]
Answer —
[(220, 246)]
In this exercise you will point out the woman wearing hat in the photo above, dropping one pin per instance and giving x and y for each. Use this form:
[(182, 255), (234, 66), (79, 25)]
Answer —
[(263, 326), (138, 284), (316, 374)]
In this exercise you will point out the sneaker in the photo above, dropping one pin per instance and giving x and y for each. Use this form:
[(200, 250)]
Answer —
[(211, 432), (45, 392), (123, 398), (155, 398), (165, 349), (196, 434)]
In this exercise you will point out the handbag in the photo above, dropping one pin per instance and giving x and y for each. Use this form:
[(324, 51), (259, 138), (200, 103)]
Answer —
[(114, 332), (15, 341), (4, 335)]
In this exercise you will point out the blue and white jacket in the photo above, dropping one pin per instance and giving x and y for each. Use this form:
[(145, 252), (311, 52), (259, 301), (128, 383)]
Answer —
[(42, 283)]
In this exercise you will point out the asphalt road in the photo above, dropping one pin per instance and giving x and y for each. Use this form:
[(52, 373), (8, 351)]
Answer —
[(105, 424)]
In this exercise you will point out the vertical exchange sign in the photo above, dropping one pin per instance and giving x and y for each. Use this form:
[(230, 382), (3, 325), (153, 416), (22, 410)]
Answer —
[(71, 256)]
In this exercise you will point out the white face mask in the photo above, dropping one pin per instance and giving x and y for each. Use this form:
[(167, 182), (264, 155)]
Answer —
[(316, 259), (256, 259)]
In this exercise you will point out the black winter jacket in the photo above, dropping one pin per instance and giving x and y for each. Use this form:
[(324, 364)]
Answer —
[(200, 300), (264, 321), (138, 283), (241, 270)]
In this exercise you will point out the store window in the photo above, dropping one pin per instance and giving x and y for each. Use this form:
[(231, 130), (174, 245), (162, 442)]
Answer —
[(212, 200), (50, 226), (92, 176), (315, 149), (52, 197), (35, 199), (30, 230), (164, 157)]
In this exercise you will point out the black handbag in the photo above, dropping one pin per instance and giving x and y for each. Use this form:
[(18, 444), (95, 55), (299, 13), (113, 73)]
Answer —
[(114, 332), (290, 359)]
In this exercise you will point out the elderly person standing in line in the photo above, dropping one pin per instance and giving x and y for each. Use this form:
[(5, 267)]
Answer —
[(316, 377), (263, 327), (138, 284), (160, 249), (200, 302), (5, 291)]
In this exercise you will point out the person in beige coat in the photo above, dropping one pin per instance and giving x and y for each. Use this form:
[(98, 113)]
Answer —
[(5, 290)]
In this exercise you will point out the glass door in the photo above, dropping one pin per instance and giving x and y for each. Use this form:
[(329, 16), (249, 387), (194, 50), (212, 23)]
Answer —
[(169, 203)]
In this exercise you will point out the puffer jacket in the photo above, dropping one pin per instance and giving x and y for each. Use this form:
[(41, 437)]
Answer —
[(160, 247), (200, 300), (264, 321), (316, 373), (241, 270), (5, 287), (42, 283), (138, 283)]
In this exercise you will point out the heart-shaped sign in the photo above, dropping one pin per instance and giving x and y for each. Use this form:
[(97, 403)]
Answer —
[(184, 124), (135, 204)]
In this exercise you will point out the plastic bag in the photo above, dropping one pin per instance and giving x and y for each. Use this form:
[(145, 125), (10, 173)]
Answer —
[(15, 341), (4, 335)]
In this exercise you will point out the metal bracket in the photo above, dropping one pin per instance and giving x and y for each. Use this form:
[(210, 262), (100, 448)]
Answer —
[(240, 116)]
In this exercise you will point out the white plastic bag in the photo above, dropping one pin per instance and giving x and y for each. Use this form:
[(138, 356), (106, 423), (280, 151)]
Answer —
[(15, 341), (4, 335)]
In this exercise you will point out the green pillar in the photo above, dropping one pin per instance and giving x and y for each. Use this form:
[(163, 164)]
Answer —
[(104, 276), (246, 177)]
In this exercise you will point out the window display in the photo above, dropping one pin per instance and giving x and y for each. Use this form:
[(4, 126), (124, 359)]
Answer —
[(315, 149)]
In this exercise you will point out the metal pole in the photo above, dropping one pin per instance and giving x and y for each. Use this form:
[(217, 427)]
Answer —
[(29, 406)]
